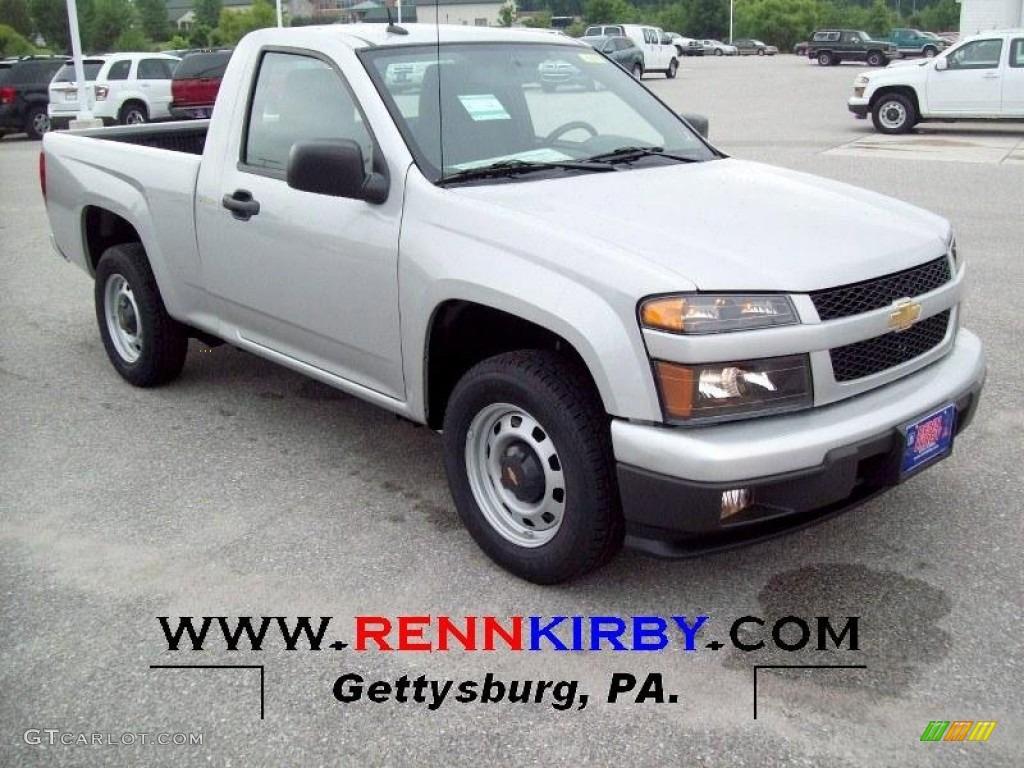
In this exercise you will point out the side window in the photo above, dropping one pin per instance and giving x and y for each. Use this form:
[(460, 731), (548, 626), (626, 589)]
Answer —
[(119, 70), (298, 98), (649, 36), (154, 69), (980, 54), (1017, 53)]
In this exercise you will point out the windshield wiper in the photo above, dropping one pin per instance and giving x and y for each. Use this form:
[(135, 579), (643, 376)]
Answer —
[(510, 168), (629, 154)]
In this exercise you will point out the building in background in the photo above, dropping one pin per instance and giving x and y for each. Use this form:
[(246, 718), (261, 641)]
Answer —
[(479, 13), (979, 15)]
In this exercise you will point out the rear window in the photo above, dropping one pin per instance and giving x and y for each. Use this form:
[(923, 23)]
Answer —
[(67, 72), (203, 65), (32, 72)]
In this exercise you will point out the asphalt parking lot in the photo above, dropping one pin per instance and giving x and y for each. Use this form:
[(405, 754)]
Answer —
[(247, 490)]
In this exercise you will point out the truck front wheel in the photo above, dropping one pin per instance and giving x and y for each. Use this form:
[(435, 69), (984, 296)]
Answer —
[(145, 344), (893, 113), (528, 456), (876, 59)]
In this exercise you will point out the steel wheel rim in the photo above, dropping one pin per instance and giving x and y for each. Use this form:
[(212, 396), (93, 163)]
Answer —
[(122, 316), (494, 431), (40, 122), (892, 115), (134, 117)]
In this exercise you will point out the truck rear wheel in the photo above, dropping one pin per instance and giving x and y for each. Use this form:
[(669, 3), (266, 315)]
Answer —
[(529, 462), (893, 113), (875, 59), (145, 344), (825, 59)]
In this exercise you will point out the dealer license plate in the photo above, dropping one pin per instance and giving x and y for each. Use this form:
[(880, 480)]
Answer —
[(928, 439)]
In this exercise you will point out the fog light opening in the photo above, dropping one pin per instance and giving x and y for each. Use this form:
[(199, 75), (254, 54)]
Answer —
[(735, 501)]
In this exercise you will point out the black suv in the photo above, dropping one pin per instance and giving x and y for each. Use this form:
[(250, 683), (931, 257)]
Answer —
[(834, 46), (24, 94)]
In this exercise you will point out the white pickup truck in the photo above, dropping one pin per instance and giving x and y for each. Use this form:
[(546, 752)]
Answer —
[(980, 78), (620, 332)]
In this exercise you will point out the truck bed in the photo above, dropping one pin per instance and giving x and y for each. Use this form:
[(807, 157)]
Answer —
[(184, 136)]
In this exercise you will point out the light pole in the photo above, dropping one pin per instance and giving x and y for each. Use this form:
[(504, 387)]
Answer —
[(731, 3), (84, 118)]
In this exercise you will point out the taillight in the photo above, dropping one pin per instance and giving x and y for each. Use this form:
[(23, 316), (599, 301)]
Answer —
[(6, 95), (42, 173)]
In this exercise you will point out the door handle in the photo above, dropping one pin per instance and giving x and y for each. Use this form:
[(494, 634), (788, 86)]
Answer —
[(241, 204), (991, 76)]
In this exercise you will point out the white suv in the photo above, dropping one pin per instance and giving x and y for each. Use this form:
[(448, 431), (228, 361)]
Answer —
[(122, 88)]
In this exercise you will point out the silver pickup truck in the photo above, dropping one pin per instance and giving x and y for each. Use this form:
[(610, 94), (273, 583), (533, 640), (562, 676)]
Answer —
[(622, 333)]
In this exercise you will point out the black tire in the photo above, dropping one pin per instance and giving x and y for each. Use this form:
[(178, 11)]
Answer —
[(824, 59), (638, 70), (930, 51), (760, 51), (133, 113), (37, 122), (162, 340), (893, 113), (875, 59), (670, 73), (559, 396), (719, 52)]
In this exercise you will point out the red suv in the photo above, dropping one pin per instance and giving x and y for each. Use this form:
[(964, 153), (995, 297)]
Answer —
[(195, 83)]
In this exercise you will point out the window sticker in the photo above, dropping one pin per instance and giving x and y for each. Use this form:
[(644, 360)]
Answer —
[(542, 155), (484, 106)]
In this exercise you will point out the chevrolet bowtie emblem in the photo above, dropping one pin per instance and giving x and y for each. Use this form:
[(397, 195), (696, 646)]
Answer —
[(905, 313)]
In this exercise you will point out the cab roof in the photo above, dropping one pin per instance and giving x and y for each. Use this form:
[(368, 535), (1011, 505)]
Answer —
[(360, 36)]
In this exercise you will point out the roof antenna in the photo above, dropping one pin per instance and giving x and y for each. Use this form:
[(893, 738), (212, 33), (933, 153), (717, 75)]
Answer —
[(393, 28)]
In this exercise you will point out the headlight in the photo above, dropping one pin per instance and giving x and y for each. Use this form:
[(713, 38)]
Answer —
[(724, 391), (709, 313), (954, 253), (861, 80)]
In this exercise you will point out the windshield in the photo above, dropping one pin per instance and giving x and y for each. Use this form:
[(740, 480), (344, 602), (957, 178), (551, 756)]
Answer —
[(67, 72), (471, 106)]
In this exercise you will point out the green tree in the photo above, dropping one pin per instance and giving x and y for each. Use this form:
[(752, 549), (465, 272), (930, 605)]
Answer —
[(207, 12), (199, 35), (14, 14), (540, 21), (607, 11), (674, 18), (879, 19), (942, 16), (709, 19), (777, 22), (51, 21), (234, 25), (12, 43), (110, 20), (506, 14), (153, 17)]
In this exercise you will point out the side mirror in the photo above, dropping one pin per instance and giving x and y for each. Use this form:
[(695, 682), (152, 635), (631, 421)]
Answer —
[(699, 123), (334, 167), (941, 64)]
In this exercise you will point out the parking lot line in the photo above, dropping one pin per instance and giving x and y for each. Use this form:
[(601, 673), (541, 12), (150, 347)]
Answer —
[(992, 150)]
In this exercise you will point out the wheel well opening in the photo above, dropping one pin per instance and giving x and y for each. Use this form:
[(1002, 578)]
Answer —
[(903, 90), (463, 334), (104, 229)]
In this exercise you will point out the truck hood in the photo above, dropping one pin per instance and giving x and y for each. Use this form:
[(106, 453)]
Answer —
[(730, 224)]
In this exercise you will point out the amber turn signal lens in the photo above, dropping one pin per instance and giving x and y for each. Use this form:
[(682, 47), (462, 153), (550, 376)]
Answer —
[(663, 314), (676, 385)]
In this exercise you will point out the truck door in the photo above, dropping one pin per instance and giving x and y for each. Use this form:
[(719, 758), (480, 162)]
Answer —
[(972, 83), (310, 277), (652, 50), (1013, 80)]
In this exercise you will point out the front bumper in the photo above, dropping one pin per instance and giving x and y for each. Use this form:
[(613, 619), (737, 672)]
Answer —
[(800, 467), (859, 105)]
